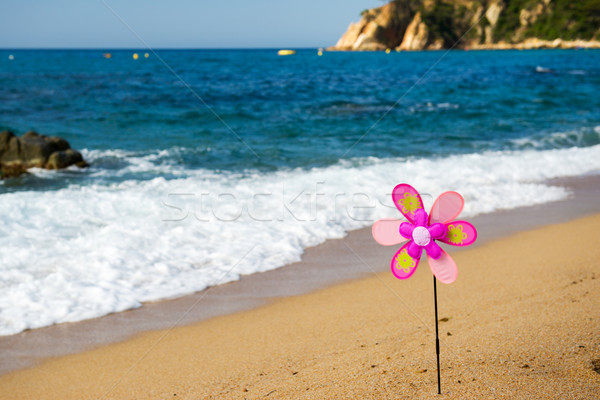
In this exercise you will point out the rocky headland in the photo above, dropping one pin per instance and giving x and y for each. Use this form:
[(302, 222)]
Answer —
[(32, 150), (475, 24)]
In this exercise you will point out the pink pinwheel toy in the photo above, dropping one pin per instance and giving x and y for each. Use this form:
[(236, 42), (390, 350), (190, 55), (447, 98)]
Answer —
[(422, 231)]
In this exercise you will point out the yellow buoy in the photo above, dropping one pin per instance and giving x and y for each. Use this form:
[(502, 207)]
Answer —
[(320, 52), (286, 52), (135, 56), (387, 51), (11, 57), (146, 55), (107, 55)]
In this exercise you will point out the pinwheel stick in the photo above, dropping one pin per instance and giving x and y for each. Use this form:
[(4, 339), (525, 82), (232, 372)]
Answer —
[(437, 336)]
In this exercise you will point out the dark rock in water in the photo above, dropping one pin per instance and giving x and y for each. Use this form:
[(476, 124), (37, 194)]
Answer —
[(17, 154), (62, 159)]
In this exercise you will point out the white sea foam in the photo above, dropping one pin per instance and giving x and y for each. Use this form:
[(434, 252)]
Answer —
[(88, 250), (575, 138), (429, 106)]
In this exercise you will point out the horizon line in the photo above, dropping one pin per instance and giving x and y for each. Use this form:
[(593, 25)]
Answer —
[(164, 48)]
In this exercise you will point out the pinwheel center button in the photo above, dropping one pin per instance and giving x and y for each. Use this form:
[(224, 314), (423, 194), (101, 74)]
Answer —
[(421, 236)]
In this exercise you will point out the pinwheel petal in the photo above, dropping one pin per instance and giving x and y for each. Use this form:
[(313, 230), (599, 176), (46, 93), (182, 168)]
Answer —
[(406, 229), (420, 217), (403, 265), (460, 233), (446, 207), (414, 250), (444, 268), (387, 232), (407, 200), (437, 230), (433, 250)]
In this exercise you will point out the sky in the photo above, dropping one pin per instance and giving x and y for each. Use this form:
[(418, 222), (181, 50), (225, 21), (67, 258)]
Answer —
[(177, 23)]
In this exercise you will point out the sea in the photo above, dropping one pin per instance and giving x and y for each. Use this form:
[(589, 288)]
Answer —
[(207, 165)]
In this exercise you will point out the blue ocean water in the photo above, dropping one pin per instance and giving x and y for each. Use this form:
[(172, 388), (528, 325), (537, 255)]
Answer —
[(305, 110), (210, 164)]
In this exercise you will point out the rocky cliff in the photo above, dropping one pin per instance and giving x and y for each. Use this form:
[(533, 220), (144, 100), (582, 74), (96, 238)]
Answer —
[(475, 24)]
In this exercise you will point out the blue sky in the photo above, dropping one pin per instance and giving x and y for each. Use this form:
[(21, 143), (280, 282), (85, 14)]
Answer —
[(177, 23)]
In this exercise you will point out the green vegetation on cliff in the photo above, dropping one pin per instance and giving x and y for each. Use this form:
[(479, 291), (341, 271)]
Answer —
[(565, 19), (570, 20), (445, 22)]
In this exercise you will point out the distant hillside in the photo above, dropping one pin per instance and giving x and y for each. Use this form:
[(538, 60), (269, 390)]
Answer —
[(475, 24)]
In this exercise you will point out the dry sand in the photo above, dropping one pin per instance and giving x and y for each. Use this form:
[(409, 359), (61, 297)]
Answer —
[(521, 322)]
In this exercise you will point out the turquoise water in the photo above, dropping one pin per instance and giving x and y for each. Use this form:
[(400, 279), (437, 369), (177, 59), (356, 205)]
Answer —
[(304, 110), (215, 164)]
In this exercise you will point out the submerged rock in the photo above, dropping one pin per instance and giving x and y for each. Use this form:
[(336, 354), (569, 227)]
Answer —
[(18, 154)]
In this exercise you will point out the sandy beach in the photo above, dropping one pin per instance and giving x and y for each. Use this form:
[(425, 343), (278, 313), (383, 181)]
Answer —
[(521, 321)]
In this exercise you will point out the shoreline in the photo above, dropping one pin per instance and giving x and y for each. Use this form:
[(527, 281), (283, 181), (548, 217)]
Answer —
[(537, 44), (520, 322), (31, 347)]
